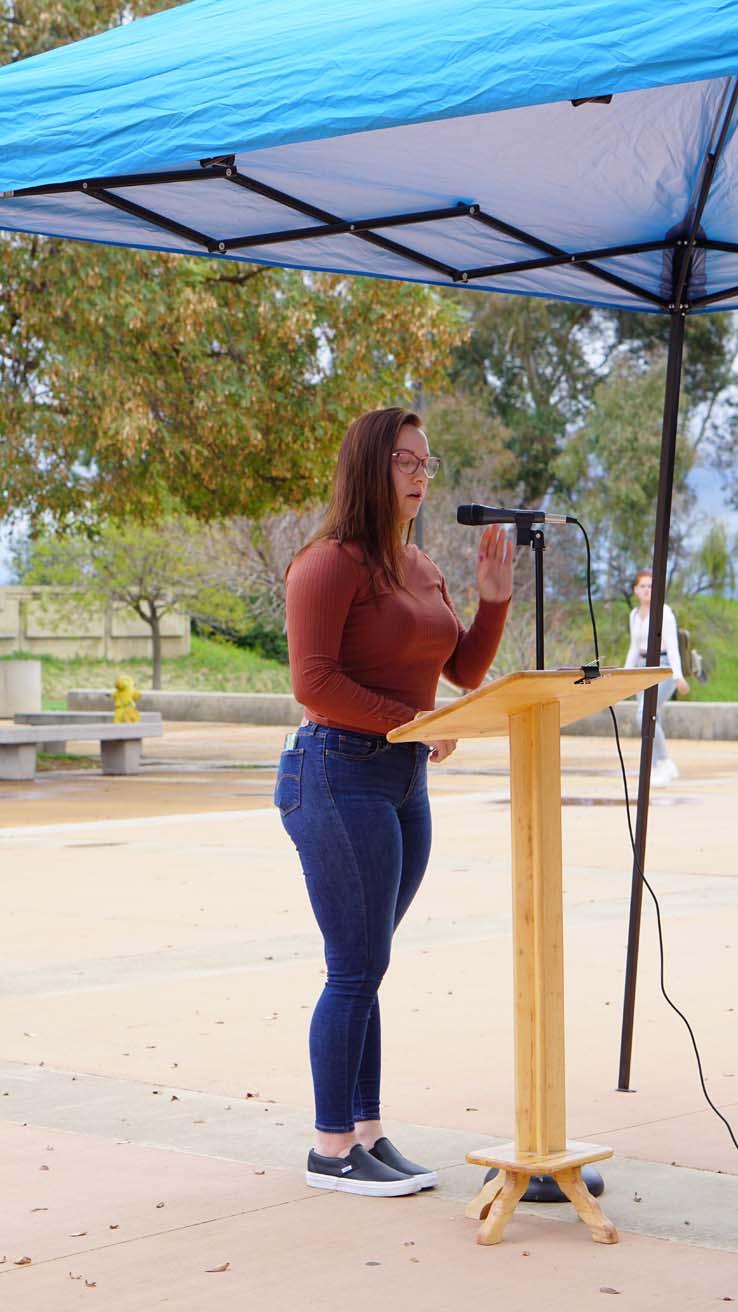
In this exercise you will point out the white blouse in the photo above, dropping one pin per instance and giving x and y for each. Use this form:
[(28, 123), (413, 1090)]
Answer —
[(639, 640)]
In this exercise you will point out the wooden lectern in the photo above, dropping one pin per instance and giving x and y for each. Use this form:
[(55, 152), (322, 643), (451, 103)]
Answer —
[(531, 707)]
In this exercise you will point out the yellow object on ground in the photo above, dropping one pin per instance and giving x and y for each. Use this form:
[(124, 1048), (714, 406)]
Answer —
[(125, 697)]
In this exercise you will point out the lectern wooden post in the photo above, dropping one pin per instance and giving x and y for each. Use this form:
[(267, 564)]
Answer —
[(531, 707)]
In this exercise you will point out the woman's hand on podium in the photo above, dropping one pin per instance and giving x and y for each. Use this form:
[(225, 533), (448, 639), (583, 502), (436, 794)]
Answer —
[(494, 565), (441, 747)]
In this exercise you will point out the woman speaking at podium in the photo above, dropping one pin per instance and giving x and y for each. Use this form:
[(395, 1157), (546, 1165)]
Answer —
[(370, 628)]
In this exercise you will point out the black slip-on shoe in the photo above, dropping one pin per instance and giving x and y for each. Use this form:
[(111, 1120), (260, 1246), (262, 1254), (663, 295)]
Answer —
[(385, 1152), (358, 1173)]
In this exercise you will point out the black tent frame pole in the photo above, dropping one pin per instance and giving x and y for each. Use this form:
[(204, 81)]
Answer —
[(650, 699), (681, 268)]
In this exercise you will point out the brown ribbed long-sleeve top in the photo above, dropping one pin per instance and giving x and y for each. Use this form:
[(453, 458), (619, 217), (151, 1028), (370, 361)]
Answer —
[(369, 657)]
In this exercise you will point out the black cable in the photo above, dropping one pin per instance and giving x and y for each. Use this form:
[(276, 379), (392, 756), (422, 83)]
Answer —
[(589, 587), (661, 938), (641, 875)]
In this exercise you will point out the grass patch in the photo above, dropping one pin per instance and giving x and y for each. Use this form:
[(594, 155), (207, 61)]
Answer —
[(212, 666), (46, 761)]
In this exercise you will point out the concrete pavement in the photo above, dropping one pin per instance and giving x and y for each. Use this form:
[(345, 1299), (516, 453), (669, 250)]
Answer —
[(159, 969)]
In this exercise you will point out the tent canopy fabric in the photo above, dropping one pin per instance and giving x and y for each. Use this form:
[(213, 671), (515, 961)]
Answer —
[(428, 140)]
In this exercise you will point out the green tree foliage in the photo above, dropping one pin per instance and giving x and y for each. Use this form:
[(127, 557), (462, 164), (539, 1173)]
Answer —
[(150, 570), (130, 378), (564, 403), (712, 568), (527, 365), (28, 27), (610, 465)]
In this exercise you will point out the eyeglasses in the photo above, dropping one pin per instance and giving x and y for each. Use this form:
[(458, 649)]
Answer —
[(408, 463)]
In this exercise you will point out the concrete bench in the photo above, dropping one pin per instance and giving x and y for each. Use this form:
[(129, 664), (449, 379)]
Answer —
[(120, 744), (74, 717)]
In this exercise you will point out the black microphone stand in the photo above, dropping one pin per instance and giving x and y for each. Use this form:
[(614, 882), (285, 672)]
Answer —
[(528, 536)]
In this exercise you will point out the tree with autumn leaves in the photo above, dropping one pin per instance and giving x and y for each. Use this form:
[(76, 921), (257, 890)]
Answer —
[(131, 381)]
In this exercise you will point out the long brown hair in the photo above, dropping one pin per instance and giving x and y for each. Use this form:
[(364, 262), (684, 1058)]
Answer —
[(363, 506)]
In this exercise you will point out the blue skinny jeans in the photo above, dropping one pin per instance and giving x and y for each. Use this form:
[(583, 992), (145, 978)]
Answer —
[(356, 808)]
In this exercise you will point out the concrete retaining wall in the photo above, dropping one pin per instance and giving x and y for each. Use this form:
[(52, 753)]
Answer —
[(217, 707), (681, 719), (42, 621)]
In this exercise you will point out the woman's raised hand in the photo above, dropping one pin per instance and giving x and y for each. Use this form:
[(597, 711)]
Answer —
[(494, 568)]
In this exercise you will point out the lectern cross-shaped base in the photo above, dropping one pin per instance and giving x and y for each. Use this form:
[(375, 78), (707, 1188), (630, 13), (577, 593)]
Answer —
[(531, 707)]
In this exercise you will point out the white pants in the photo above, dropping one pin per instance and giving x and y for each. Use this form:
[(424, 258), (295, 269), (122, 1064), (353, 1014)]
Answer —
[(666, 690)]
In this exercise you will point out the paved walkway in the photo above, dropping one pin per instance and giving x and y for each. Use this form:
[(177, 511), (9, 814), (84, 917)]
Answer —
[(158, 973)]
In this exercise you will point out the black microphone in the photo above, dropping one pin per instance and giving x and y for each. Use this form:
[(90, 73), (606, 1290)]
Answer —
[(476, 514)]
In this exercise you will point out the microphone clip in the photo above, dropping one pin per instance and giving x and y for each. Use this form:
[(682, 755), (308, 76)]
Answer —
[(589, 673), (525, 533)]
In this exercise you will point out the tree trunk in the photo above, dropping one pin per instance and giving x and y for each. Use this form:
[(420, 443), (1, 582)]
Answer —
[(156, 648)]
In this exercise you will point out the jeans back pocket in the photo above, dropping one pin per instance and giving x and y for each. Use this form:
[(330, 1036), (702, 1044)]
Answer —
[(288, 788)]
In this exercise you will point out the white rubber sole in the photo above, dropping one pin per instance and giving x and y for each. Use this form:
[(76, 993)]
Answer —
[(370, 1188), (427, 1180)]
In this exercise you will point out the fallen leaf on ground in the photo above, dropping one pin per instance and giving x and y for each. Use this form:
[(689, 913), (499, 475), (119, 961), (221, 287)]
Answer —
[(224, 1266), (90, 1284), (43, 1168), (114, 1227), (174, 1098), (159, 1204), (259, 1172), (72, 1276), (39, 1209), (23, 1261), (608, 1289), (78, 1234)]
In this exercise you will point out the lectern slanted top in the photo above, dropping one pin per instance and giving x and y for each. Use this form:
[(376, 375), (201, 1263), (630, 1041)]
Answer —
[(531, 706), (486, 712)]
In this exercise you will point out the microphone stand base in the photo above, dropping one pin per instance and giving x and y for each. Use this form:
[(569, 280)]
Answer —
[(544, 1189)]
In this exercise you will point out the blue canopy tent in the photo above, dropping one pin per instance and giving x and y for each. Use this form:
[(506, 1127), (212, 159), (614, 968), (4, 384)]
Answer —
[(582, 151)]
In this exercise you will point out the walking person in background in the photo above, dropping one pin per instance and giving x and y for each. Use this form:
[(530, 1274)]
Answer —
[(370, 628), (663, 769)]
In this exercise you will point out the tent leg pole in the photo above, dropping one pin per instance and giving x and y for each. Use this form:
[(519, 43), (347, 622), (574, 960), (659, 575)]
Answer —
[(650, 699)]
